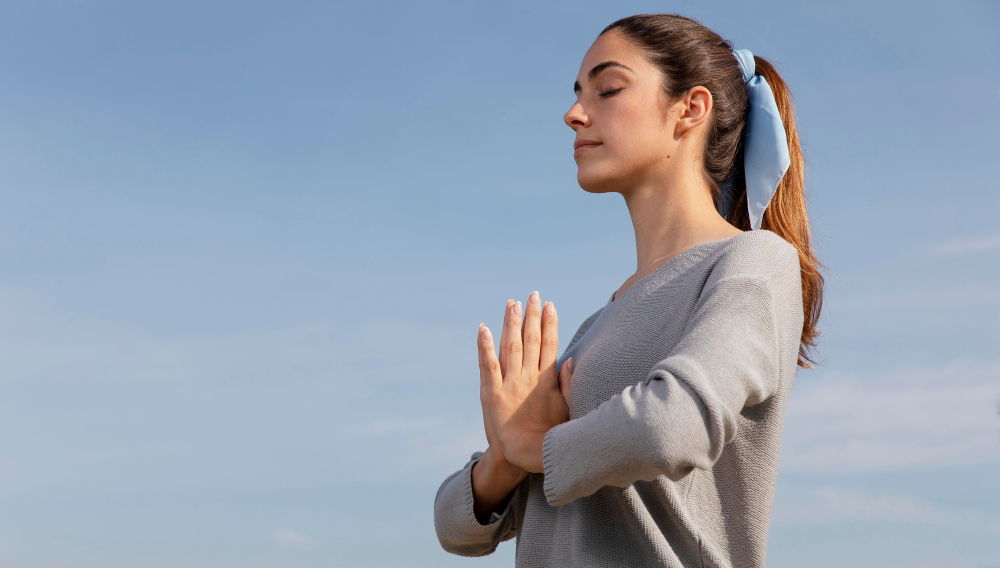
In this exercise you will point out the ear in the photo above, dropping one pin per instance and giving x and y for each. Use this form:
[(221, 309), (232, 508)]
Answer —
[(695, 107)]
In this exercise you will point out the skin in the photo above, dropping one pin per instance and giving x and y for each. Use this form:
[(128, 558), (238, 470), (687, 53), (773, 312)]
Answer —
[(650, 150)]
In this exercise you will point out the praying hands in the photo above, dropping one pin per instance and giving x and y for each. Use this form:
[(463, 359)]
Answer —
[(521, 394)]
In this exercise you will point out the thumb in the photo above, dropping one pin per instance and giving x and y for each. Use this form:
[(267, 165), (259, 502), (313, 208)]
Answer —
[(565, 377)]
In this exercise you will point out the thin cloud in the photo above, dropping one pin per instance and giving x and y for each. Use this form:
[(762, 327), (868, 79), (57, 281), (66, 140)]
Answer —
[(382, 427), (901, 419), (839, 505), (967, 245), (969, 294), (293, 540)]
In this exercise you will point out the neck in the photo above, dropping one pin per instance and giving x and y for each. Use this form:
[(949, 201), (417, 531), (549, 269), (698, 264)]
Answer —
[(670, 213)]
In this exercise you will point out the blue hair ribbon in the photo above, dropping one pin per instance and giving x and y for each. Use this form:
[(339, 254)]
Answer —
[(765, 146)]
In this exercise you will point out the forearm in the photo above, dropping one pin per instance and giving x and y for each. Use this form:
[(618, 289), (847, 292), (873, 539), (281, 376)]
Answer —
[(455, 522), (658, 427), (492, 482)]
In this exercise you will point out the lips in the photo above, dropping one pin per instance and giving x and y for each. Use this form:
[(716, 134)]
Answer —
[(581, 146)]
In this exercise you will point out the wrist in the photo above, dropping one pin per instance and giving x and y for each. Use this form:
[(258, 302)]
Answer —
[(529, 452), (499, 470), (492, 483)]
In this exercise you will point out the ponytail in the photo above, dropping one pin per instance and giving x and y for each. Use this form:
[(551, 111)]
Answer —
[(786, 214)]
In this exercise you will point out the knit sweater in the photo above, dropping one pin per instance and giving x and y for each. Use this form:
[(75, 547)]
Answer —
[(677, 401)]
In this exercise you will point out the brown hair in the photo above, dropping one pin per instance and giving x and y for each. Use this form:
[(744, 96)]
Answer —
[(689, 54)]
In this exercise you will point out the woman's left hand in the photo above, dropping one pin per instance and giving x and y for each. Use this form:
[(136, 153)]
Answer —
[(523, 400)]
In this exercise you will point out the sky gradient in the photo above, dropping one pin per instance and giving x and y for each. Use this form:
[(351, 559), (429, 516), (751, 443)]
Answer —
[(245, 249)]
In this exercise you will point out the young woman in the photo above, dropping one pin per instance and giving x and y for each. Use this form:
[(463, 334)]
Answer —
[(654, 439)]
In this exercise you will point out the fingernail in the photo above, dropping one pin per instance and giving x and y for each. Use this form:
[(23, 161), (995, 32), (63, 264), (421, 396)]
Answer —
[(486, 333), (571, 365), (517, 309), (533, 298), (550, 308)]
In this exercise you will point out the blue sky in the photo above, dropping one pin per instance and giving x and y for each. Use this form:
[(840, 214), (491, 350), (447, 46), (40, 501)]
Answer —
[(245, 249)]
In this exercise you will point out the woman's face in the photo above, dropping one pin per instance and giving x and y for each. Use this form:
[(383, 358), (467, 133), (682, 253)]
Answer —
[(621, 117)]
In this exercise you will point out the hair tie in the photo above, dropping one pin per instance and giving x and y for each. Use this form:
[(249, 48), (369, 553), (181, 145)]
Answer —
[(765, 146)]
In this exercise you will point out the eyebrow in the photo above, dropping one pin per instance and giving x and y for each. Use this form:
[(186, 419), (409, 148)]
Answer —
[(597, 71)]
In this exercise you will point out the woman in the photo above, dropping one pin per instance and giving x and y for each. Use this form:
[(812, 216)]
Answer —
[(654, 439)]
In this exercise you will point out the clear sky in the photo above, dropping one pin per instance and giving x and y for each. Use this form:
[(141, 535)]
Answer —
[(245, 247)]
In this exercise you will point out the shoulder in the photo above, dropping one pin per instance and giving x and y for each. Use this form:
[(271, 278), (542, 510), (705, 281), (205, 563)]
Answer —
[(758, 255), (757, 268)]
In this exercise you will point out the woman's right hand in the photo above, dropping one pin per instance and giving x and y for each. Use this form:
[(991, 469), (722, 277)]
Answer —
[(498, 460), (565, 377), (493, 477)]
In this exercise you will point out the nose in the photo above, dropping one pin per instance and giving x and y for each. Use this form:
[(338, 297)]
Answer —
[(576, 117)]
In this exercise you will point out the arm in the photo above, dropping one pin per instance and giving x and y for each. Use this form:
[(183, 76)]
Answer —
[(459, 527), (493, 480), (684, 411), (475, 508)]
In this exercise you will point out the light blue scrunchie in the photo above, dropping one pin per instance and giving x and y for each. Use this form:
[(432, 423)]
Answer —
[(765, 147)]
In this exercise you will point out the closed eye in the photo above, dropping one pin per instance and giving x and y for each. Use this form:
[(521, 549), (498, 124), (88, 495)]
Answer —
[(610, 93)]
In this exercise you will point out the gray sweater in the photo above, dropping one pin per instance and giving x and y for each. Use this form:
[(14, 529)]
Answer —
[(676, 407)]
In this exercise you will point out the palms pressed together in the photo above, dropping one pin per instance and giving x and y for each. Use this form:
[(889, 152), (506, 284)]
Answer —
[(522, 394)]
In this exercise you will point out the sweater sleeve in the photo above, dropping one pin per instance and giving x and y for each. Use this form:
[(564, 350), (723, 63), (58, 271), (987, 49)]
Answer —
[(684, 411), (457, 528)]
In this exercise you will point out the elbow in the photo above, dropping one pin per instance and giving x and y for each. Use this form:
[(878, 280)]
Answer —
[(465, 549), (677, 460), (451, 544), (462, 536), (453, 541), (690, 434)]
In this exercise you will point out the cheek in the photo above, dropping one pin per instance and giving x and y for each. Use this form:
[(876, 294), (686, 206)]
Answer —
[(636, 137), (634, 141)]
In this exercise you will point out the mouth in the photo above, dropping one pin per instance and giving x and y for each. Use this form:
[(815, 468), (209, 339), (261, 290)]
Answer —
[(581, 146)]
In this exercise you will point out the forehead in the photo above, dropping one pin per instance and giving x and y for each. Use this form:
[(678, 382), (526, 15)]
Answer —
[(613, 46)]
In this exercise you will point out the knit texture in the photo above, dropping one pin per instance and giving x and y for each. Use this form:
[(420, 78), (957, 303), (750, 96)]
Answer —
[(676, 408)]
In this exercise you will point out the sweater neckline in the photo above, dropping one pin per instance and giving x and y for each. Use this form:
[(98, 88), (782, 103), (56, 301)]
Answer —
[(674, 260)]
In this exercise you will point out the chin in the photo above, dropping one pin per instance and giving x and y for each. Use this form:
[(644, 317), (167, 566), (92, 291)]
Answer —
[(599, 177)]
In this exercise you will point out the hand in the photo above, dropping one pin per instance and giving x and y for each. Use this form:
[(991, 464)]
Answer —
[(565, 378), (521, 397), (496, 457)]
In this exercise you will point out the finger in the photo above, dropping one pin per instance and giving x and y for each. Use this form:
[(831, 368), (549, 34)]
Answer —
[(514, 345), (565, 378), (480, 350), (550, 345), (532, 331), (493, 378), (485, 388), (505, 338), (485, 399), (488, 428)]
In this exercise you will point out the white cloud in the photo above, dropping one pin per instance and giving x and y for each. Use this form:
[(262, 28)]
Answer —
[(460, 447), (967, 245), (905, 418), (38, 342), (293, 540), (838, 505), (383, 427), (968, 294)]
